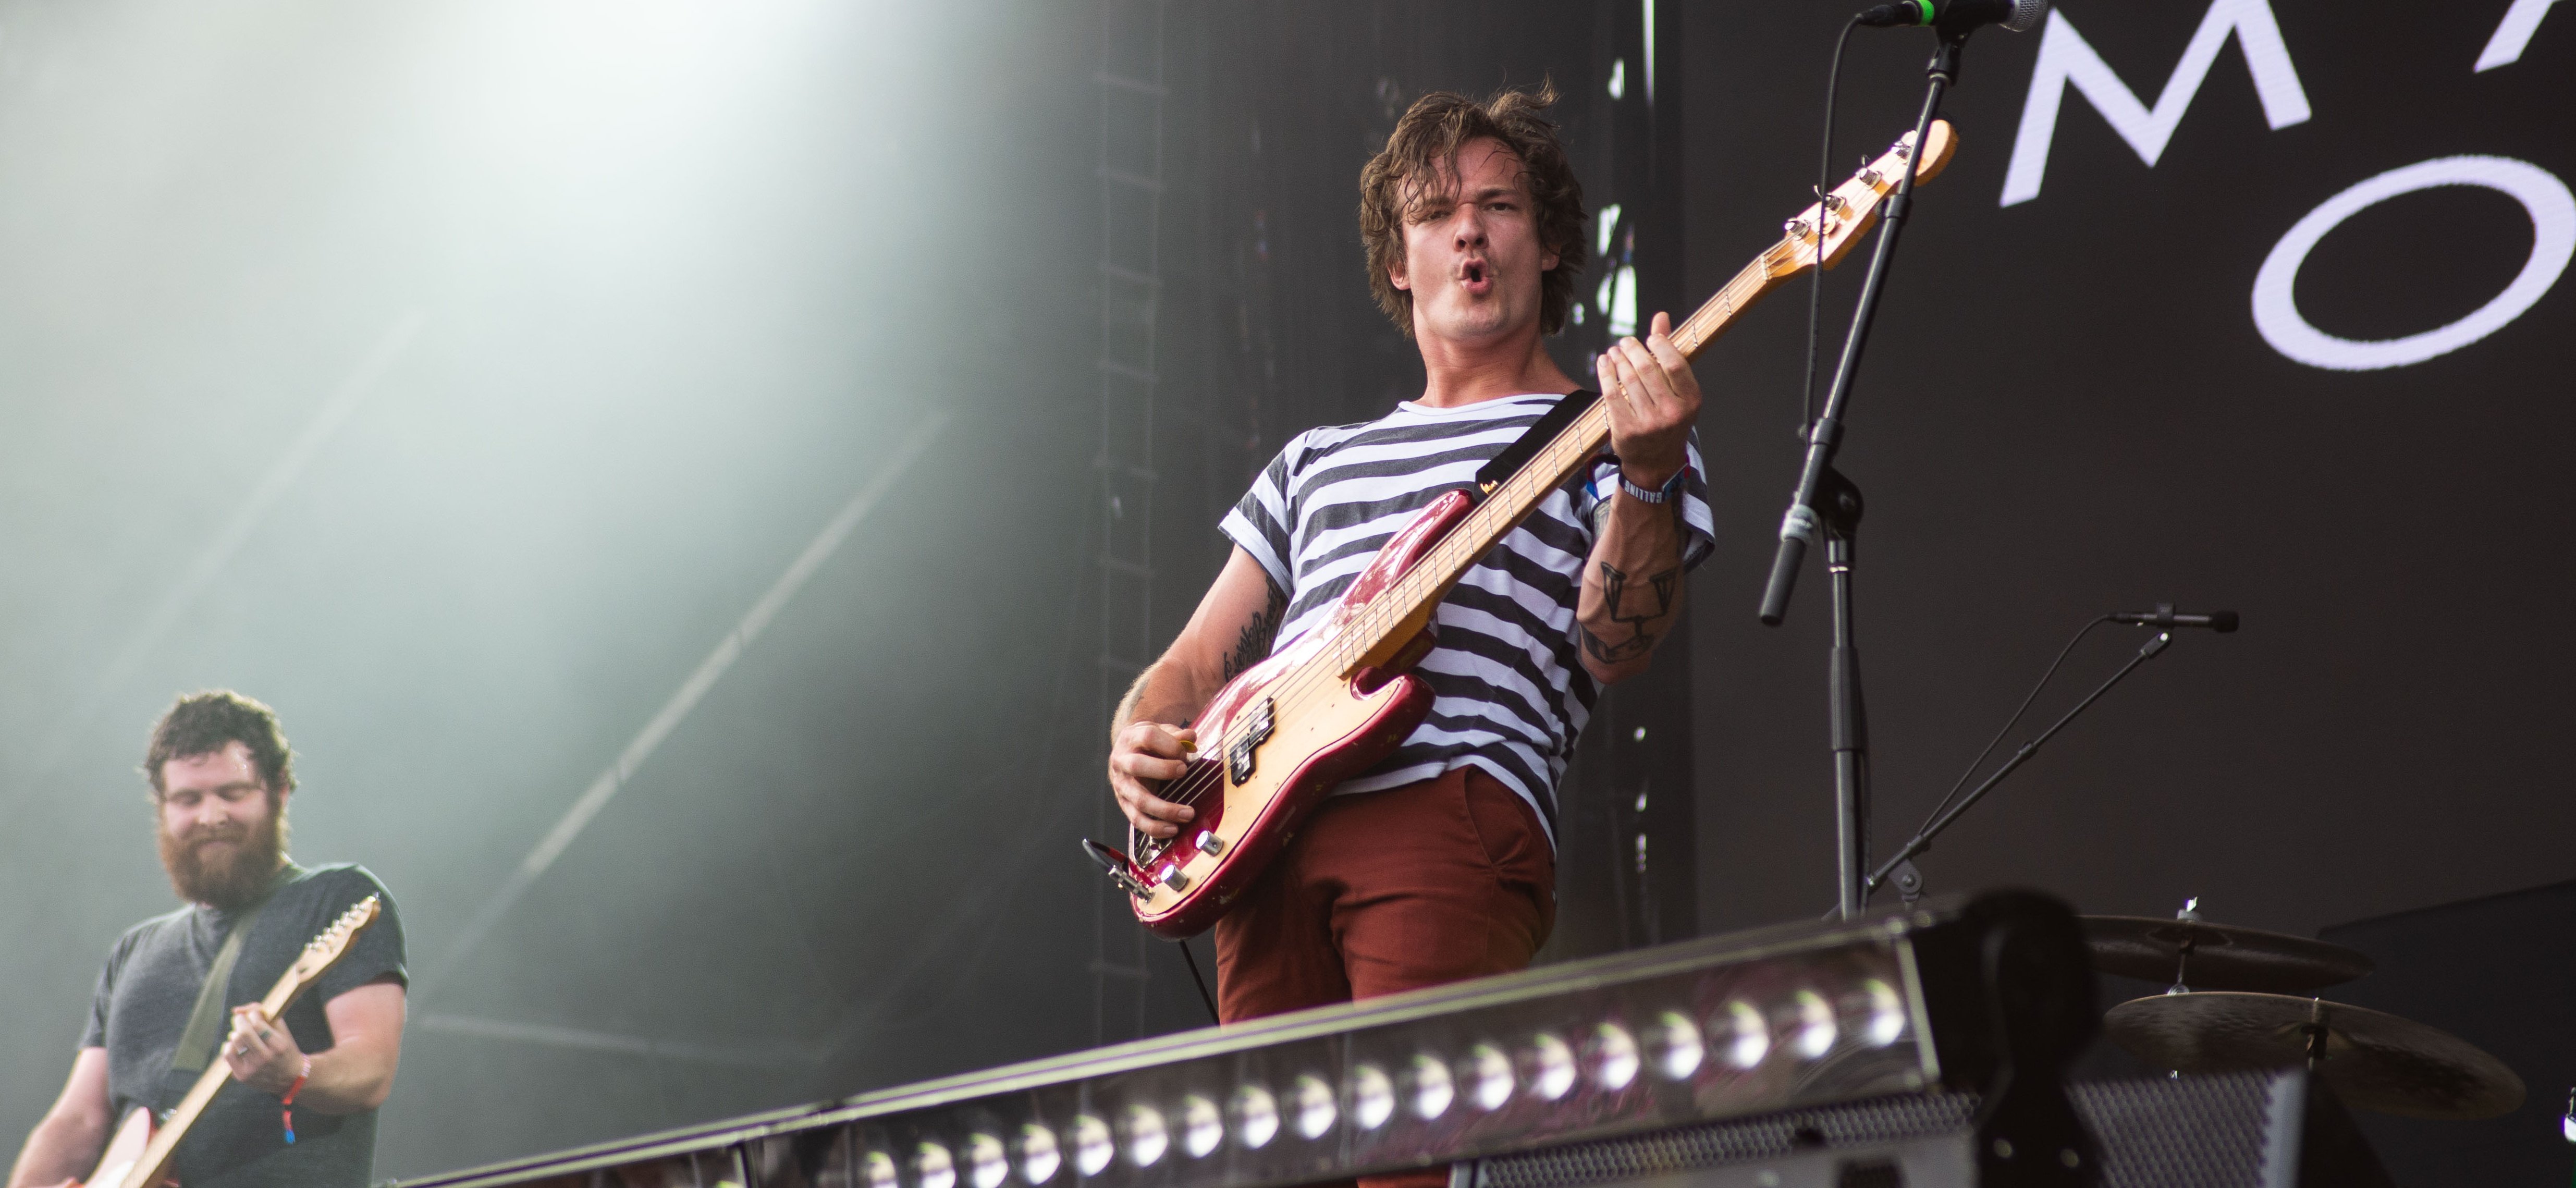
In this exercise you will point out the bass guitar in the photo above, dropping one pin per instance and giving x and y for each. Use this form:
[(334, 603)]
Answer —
[(1339, 698), (139, 1154)]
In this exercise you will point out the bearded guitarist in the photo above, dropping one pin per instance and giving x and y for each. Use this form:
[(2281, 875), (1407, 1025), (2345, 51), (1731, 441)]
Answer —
[(1438, 863), (182, 989)]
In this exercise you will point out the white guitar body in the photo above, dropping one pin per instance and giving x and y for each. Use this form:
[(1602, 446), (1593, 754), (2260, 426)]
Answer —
[(133, 1137)]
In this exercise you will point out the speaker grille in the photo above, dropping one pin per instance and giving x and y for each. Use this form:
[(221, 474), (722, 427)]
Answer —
[(1772, 1136), (2207, 1130), (2214, 1131)]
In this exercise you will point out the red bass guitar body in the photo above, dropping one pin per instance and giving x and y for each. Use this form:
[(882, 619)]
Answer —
[(1279, 737)]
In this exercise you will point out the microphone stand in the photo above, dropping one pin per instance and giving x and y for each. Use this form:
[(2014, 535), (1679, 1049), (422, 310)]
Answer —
[(1902, 865), (1828, 500)]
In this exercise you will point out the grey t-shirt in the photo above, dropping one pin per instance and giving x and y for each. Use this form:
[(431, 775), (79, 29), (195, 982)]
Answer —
[(149, 987)]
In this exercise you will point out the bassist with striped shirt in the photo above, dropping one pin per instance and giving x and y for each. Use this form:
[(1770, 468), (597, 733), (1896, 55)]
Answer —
[(1438, 864)]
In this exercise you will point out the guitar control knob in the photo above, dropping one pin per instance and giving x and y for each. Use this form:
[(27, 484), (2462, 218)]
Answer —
[(1210, 843), (1174, 879)]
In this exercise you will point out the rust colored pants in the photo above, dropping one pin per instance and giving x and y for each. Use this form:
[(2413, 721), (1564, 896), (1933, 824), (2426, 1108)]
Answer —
[(1439, 881)]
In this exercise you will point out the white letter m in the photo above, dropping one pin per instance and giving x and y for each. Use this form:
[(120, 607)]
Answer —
[(2065, 57)]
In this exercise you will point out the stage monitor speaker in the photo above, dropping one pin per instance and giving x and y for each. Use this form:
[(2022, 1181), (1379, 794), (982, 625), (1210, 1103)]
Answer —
[(2233, 1130)]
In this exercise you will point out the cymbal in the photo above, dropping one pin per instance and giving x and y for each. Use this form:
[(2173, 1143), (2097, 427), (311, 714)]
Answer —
[(2222, 956), (2374, 1060)]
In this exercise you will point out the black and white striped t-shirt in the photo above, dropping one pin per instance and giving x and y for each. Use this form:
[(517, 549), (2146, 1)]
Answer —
[(1510, 692)]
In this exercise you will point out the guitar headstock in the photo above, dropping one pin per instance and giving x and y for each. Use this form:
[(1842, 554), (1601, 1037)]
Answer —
[(1851, 209), (322, 950)]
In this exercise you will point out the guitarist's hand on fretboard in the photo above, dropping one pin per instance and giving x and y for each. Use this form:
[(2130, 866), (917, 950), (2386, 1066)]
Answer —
[(261, 1052)]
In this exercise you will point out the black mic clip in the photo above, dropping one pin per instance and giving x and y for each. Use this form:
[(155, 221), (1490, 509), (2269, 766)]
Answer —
[(1906, 13), (2164, 615)]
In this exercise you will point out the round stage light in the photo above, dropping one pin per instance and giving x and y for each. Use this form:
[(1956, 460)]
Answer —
[(1548, 1066), (1146, 1137), (1674, 1046), (1314, 1103), (1741, 1030), (1372, 1096), (1488, 1075), (879, 1170), (1256, 1117), (1092, 1148), (932, 1167), (986, 1163), (1881, 1013), (1431, 1088), (1812, 1024), (1039, 1156), (1613, 1057), (1202, 1127)]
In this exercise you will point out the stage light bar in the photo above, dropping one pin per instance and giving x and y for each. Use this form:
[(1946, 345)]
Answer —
[(1904, 1002)]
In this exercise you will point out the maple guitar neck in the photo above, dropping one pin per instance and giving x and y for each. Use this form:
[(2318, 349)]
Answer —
[(149, 1169), (1823, 233)]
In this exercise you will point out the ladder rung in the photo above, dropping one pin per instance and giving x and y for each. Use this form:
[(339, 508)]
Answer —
[(1140, 473), (1137, 180), (1142, 573), (1138, 374), (1130, 276), (1124, 83)]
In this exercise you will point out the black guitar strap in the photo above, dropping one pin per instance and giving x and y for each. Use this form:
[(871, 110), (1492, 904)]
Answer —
[(1533, 439)]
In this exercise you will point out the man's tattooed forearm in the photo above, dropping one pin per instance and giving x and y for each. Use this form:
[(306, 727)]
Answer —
[(1254, 644), (1614, 589)]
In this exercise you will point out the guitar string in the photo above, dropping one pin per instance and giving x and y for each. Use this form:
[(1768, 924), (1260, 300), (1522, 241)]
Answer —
[(1373, 623)]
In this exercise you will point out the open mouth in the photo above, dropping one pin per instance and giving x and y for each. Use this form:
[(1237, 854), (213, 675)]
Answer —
[(1475, 275)]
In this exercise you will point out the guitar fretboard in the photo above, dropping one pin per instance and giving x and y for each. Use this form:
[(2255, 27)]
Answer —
[(1430, 578)]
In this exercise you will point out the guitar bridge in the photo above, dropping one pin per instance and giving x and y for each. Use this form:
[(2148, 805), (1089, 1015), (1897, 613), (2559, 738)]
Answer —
[(1239, 756)]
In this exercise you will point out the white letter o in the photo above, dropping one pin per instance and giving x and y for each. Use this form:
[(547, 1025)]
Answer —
[(2553, 241)]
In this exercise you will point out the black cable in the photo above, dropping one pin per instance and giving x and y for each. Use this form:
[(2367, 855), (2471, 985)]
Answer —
[(2015, 720), (1204, 996), (1824, 177)]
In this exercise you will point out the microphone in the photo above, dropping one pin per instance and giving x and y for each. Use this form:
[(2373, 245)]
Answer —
[(2165, 615), (1957, 15)]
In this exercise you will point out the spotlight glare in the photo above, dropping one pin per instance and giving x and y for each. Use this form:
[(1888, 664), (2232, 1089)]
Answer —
[(1884, 1013), (1372, 1096), (1315, 1111), (1432, 1088), (1488, 1074), (1202, 1127), (1256, 1117), (1674, 1045), (1092, 1150), (1746, 1036), (933, 1168), (1550, 1064), (1614, 1057), (1039, 1157), (1814, 1024), (986, 1163), (880, 1170), (1146, 1138)]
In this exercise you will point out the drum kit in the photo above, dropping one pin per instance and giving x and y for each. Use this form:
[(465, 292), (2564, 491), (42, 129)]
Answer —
[(2250, 1002)]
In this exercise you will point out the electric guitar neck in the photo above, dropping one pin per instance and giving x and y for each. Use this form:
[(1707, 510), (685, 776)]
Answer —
[(139, 1155)]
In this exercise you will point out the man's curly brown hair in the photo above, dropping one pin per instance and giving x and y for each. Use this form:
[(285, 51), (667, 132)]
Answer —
[(1421, 161), (204, 723)]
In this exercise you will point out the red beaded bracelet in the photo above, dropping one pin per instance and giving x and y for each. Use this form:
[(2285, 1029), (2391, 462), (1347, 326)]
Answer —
[(288, 1114)]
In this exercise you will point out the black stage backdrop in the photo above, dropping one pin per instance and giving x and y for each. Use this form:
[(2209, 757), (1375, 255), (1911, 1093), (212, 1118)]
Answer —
[(2069, 408)]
